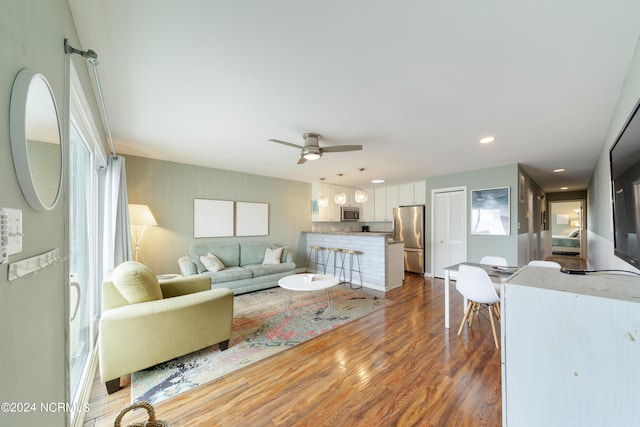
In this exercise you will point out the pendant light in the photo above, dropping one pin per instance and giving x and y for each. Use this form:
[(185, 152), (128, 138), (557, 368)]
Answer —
[(323, 202), (340, 198), (361, 195)]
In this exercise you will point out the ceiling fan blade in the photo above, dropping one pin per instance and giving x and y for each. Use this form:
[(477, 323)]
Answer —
[(302, 161), (287, 143), (338, 148)]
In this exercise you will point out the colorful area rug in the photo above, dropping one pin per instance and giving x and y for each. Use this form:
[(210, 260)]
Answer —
[(260, 329)]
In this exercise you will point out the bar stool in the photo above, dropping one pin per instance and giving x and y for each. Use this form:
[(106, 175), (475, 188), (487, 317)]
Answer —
[(316, 251), (351, 253), (338, 262)]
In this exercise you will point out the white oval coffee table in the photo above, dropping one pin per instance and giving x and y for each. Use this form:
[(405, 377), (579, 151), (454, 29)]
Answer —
[(307, 283)]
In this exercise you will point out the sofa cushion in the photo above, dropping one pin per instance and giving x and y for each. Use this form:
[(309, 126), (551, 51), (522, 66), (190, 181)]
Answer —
[(187, 268), (136, 282), (195, 259), (212, 263), (228, 253), (258, 270), (272, 256), (229, 274), (251, 253)]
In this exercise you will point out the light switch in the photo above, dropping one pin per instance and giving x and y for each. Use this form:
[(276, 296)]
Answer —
[(11, 227), (4, 237)]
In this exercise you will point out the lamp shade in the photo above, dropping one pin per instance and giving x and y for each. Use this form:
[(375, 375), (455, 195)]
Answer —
[(340, 198), (361, 196), (141, 215)]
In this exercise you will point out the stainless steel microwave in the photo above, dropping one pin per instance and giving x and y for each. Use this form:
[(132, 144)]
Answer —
[(349, 213)]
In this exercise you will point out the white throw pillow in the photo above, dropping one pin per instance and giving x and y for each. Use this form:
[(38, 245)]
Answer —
[(212, 263), (272, 256)]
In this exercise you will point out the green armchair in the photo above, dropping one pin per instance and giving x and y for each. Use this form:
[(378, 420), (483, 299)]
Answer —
[(145, 322)]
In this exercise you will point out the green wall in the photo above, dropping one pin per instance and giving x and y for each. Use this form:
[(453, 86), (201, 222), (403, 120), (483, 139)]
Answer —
[(169, 189), (34, 311), (478, 246)]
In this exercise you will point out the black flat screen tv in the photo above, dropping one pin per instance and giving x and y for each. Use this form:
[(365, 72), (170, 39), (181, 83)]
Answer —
[(624, 158)]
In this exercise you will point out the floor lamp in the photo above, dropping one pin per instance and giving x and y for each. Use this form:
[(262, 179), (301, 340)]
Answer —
[(140, 217)]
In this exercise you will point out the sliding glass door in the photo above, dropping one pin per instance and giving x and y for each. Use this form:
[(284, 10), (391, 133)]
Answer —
[(86, 184), (82, 256)]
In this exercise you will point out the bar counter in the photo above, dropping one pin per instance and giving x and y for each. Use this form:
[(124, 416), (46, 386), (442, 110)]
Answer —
[(382, 259)]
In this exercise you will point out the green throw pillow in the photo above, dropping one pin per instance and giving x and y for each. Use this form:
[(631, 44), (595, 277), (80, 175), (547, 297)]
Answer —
[(136, 282), (195, 259)]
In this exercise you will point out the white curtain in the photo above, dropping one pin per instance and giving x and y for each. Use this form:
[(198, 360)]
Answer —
[(117, 235)]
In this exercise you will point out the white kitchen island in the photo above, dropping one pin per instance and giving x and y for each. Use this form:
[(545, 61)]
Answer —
[(570, 349), (382, 260)]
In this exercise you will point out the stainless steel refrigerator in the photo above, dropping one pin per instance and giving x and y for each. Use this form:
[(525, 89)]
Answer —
[(408, 226)]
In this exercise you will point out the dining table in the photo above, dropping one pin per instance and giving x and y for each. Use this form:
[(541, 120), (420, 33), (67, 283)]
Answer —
[(496, 274)]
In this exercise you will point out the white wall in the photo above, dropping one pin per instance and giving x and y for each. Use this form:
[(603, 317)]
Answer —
[(33, 311), (600, 218)]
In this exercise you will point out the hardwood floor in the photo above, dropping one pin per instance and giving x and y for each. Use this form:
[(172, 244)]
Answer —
[(396, 367)]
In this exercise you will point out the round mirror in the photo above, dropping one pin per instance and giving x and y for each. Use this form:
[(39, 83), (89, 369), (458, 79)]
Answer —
[(35, 140)]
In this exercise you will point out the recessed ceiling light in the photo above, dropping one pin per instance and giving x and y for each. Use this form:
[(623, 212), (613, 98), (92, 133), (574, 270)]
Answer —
[(378, 181), (558, 170), (487, 139), (564, 188)]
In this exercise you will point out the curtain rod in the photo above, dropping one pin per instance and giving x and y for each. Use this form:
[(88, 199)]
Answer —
[(92, 58)]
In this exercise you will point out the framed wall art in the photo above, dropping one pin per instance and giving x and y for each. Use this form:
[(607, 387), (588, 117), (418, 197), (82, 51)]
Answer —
[(212, 218), (252, 219), (490, 212), (562, 219)]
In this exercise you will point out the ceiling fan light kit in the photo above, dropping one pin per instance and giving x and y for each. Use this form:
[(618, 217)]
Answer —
[(312, 150)]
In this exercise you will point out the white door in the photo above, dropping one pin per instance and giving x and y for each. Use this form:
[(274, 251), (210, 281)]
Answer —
[(449, 229)]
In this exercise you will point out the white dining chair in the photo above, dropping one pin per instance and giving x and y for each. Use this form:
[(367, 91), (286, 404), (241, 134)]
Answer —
[(476, 286), (540, 263), (498, 261)]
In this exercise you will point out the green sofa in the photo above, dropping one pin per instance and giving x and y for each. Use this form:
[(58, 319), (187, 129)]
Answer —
[(243, 271)]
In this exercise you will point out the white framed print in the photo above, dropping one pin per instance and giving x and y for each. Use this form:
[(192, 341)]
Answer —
[(491, 212)]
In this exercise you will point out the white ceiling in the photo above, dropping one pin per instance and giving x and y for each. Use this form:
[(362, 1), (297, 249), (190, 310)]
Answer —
[(417, 83)]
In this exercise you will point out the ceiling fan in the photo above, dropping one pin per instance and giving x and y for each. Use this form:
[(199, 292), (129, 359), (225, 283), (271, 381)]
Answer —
[(311, 149)]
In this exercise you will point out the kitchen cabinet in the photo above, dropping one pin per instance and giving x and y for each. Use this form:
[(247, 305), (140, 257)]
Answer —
[(367, 209), (380, 204), (570, 349), (412, 193), (392, 200), (386, 198)]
